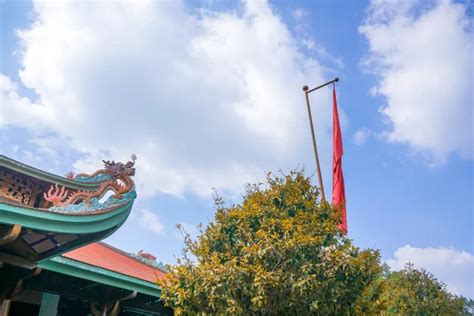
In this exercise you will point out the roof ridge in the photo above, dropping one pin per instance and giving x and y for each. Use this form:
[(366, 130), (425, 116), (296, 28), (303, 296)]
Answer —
[(43, 175), (129, 255), (26, 166)]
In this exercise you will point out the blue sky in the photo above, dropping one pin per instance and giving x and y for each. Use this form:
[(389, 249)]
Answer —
[(208, 95)]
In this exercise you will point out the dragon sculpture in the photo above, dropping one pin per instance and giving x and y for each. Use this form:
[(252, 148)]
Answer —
[(117, 179)]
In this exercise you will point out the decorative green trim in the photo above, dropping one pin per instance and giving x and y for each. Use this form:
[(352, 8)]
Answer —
[(63, 223), (45, 176), (92, 273)]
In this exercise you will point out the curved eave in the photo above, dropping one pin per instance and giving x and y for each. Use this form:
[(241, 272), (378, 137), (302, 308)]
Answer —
[(82, 223), (45, 176), (96, 274)]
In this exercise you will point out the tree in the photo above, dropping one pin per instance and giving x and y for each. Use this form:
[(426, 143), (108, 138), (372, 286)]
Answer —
[(279, 252), (418, 292)]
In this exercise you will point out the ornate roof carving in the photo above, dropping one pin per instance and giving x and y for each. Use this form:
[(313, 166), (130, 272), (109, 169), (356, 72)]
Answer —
[(114, 177)]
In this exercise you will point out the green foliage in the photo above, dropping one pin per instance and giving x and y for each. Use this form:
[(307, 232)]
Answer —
[(417, 292), (279, 252)]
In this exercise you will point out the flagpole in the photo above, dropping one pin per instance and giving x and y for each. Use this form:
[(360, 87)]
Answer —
[(307, 91)]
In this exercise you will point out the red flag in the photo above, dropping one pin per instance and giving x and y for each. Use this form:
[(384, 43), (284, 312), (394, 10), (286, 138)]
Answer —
[(338, 191)]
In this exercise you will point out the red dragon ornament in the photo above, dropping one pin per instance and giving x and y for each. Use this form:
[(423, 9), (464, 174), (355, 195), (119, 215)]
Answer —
[(119, 181)]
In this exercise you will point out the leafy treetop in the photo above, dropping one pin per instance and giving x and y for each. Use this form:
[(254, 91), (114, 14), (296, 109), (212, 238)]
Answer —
[(278, 252)]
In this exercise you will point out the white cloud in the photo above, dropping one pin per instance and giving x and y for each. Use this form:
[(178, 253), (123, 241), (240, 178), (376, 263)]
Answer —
[(150, 221), (451, 266), (422, 54), (299, 13), (361, 135), (20, 111), (208, 99)]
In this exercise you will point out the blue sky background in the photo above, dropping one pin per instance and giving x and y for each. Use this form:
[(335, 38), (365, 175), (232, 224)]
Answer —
[(410, 199)]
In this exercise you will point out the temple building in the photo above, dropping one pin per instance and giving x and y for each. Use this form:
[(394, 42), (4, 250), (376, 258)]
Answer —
[(52, 259)]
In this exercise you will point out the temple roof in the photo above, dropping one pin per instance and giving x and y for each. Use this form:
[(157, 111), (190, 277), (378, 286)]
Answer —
[(43, 215), (110, 258), (20, 167), (103, 264), (50, 232)]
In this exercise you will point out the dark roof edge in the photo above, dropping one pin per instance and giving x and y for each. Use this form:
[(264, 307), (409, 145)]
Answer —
[(44, 175)]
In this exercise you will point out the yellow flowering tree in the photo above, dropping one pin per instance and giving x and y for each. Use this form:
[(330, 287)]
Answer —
[(279, 252), (418, 292)]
